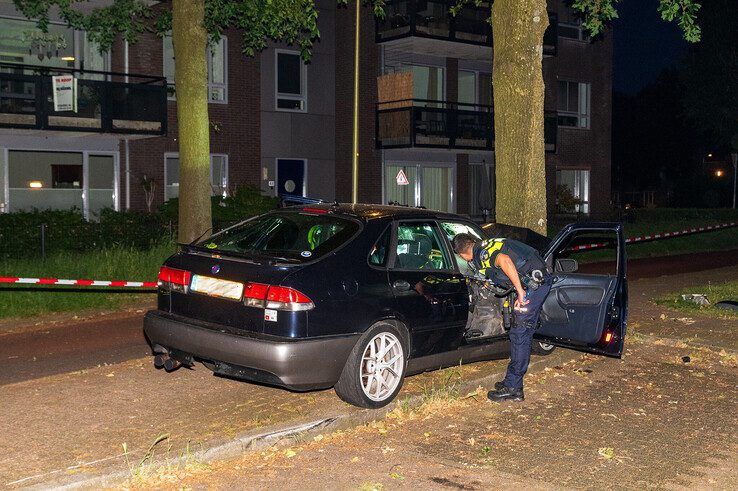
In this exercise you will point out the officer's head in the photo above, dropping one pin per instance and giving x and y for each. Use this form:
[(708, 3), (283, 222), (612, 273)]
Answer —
[(464, 246)]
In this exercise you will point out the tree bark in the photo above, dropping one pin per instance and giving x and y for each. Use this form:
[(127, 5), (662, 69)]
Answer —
[(517, 78), (190, 38)]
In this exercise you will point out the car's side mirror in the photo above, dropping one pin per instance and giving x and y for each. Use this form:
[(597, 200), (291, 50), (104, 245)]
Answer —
[(566, 265)]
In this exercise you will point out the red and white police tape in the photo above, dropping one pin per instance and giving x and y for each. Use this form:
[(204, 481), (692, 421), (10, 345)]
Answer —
[(664, 235), (153, 284), (59, 281)]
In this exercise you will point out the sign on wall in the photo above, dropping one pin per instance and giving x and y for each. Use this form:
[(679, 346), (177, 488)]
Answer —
[(65, 92), (402, 179)]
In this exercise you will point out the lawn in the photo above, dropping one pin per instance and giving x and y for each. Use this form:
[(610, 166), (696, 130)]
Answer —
[(649, 222), (115, 263), (714, 293)]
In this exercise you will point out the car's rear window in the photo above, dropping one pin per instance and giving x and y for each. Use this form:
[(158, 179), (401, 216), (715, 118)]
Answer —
[(296, 237)]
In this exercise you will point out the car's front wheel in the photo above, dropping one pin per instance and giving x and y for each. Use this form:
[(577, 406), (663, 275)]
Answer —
[(375, 369)]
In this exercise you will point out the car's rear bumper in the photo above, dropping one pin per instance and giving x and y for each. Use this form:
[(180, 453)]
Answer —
[(300, 364)]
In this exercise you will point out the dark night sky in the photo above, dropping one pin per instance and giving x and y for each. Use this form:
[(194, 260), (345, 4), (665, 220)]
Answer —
[(644, 44)]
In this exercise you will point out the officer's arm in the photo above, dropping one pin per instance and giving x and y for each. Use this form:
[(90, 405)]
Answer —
[(507, 266)]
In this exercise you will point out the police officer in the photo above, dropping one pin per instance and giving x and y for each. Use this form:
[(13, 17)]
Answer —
[(511, 264)]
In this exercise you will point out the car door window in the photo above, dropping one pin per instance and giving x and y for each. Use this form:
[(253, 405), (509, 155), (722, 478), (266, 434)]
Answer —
[(451, 230), (419, 247), (380, 250)]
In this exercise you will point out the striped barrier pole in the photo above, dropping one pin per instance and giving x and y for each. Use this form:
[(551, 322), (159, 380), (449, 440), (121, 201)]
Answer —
[(663, 235), (81, 282)]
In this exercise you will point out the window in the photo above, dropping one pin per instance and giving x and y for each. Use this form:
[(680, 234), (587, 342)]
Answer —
[(570, 25), (573, 104), (428, 82), (378, 254), (291, 81), (293, 237), (475, 88), (218, 175), (481, 192), (430, 186), (66, 176), (217, 69), (419, 247), (452, 229), (573, 193)]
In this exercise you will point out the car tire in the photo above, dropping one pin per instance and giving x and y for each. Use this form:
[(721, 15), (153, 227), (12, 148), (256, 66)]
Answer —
[(542, 348), (362, 382)]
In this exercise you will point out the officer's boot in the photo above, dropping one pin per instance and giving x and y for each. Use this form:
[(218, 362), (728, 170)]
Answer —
[(506, 394)]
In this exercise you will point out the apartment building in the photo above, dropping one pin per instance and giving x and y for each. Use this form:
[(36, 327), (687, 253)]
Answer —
[(285, 126)]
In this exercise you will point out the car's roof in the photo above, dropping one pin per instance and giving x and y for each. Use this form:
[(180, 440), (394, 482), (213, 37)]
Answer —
[(366, 211)]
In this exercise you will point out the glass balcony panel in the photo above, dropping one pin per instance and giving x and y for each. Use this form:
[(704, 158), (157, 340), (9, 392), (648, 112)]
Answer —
[(396, 21), (138, 106), (432, 18)]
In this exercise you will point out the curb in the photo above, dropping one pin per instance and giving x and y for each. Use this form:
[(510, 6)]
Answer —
[(284, 436)]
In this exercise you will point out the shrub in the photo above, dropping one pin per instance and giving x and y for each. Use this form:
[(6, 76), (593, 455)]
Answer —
[(245, 202)]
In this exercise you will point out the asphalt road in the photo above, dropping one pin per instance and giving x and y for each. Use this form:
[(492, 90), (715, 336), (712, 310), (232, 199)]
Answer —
[(74, 346)]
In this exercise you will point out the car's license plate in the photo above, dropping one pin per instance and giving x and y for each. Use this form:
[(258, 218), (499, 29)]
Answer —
[(216, 287)]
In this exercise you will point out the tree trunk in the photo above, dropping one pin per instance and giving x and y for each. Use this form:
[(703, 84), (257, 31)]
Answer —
[(191, 77), (517, 78)]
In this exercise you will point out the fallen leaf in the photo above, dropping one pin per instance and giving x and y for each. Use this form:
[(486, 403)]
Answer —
[(606, 452), (289, 453)]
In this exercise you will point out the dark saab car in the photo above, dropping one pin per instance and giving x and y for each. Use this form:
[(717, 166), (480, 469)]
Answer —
[(357, 297)]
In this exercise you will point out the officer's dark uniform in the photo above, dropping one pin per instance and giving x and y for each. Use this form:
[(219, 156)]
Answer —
[(530, 266)]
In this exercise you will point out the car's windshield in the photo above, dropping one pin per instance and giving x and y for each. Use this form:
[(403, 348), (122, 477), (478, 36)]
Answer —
[(291, 236)]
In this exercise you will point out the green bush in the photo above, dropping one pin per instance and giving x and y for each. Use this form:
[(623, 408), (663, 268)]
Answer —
[(67, 230), (244, 203)]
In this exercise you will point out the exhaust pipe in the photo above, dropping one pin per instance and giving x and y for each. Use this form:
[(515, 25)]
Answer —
[(170, 364), (160, 360)]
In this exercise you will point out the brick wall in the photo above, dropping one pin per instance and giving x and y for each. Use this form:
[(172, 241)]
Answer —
[(584, 148), (239, 121), (370, 170)]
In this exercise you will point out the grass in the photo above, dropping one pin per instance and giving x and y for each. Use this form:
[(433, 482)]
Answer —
[(714, 293), (649, 222), (116, 263)]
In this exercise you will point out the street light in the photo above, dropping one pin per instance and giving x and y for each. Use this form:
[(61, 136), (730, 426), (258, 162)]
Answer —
[(719, 173)]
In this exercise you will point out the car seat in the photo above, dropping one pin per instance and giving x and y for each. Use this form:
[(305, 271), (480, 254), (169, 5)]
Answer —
[(417, 255)]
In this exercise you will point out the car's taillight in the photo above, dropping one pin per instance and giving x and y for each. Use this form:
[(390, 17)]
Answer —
[(275, 297), (176, 280), (255, 294)]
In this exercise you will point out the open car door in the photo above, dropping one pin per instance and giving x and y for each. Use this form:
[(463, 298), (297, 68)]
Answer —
[(588, 304)]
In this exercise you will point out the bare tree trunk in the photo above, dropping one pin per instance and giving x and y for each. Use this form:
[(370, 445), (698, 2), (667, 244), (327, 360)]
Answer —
[(517, 78), (191, 77)]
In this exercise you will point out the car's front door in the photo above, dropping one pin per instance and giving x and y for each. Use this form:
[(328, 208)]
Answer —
[(430, 293), (587, 311)]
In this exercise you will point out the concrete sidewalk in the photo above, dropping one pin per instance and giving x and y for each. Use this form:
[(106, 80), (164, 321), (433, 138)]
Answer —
[(71, 427)]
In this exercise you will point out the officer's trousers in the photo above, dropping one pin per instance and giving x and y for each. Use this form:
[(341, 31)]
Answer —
[(521, 335)]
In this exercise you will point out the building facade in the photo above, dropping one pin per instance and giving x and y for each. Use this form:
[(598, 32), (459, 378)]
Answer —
[(425, 100)]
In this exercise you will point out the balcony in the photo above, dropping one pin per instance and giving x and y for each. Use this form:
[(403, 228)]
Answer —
[(106, 102), (417, 123), (427, 27)]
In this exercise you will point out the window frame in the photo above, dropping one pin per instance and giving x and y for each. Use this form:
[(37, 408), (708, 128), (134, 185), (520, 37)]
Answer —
[(303, 97), (585, 204), (441, 236), (584, 91), (418, 184), (171, 86), (168, 155), (211, 84), (582, 34)]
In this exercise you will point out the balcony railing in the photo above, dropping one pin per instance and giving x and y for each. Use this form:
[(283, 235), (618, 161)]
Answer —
[(432, 19), (107, 102), (438, 124), (424, 123)]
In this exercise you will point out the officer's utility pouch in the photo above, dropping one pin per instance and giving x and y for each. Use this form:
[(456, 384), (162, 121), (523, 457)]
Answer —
[(485, 318)]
